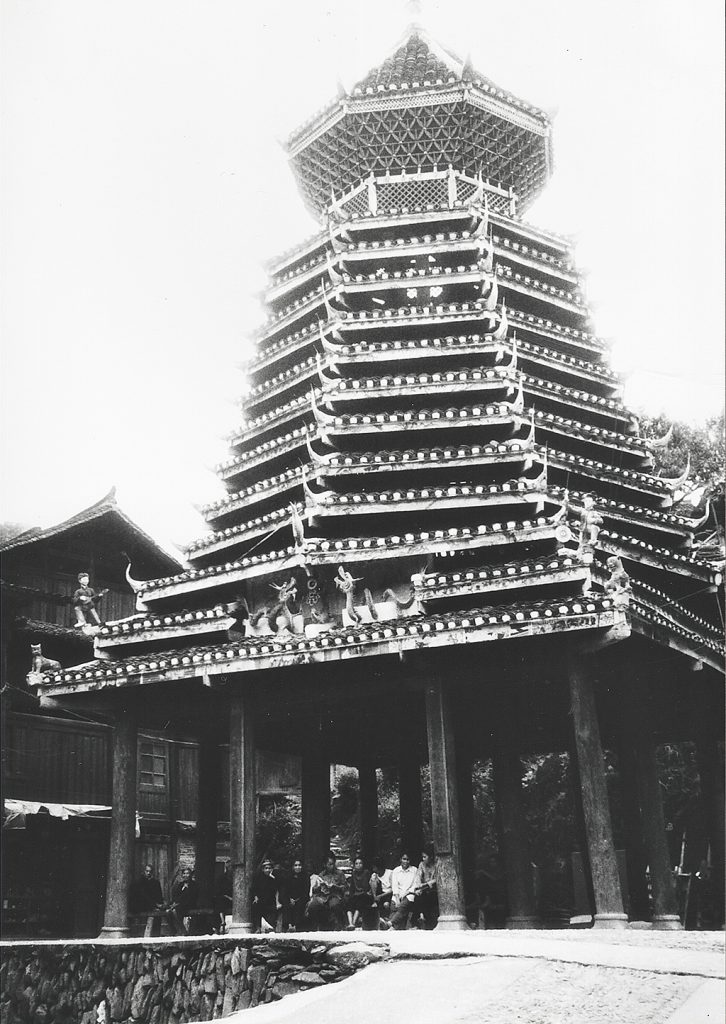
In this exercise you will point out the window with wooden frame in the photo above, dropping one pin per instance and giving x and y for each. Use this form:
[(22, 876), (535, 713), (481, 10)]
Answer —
[(153, 765)]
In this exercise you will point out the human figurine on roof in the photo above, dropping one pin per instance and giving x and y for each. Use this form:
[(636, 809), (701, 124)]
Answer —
[(590, 523), (85, 600)]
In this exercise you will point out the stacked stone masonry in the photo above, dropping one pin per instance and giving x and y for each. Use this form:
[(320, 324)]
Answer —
[(167, 982)]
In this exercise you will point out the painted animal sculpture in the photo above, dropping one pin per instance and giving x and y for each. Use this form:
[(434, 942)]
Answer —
[(41, 663)]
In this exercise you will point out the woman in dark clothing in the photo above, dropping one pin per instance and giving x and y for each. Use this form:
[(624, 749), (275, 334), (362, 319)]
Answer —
[(184, 898), (359, 893), (264, 898), (294, 898)]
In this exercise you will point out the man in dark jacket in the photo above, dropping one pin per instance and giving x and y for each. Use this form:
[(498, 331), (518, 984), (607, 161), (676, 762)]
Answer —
[(145, 895)]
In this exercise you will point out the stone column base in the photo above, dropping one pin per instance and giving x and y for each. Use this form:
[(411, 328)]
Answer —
[(452, 923), (667, 922), (240, 928), (522, 921), (114, 933), (610, 921)]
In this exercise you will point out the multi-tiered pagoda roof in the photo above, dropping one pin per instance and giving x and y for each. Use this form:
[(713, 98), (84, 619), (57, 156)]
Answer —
[(432, 449)]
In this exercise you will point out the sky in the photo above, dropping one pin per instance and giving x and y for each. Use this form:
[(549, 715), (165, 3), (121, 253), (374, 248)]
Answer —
[(143, 184)]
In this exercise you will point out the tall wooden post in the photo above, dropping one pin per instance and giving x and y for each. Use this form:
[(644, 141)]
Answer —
[(123, 826), (465, 791), (409, 797), (242, 808), (580, 836), (596, 810), (639, 734), (207, 808), (635, 857), (315, 808), (709, 754), (445, 806), (665, 901), (368, 804), (517, 863)]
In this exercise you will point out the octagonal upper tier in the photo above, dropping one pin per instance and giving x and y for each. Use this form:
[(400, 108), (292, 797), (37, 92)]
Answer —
[(422, 108)]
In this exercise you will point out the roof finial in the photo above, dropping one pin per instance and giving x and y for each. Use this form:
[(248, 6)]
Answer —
[(414, 9)]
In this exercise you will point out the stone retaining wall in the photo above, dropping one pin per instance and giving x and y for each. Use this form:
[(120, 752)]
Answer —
[(164, 981)]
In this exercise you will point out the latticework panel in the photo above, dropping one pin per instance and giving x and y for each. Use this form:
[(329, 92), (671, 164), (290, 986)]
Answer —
[(407, 139), (357, 204), (412, 192)]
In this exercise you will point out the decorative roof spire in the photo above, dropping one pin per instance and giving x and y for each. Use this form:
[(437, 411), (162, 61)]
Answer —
[(414, 10)]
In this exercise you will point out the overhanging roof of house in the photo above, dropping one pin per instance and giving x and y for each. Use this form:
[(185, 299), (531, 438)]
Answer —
[(107, 510)]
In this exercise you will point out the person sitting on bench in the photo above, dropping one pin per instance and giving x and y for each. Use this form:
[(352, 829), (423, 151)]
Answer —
[(294, 898), (328, 892), (265, 900), (403, 884), (426, 904), (359, 893)]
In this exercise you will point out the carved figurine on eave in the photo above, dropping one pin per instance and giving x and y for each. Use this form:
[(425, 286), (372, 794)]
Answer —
[(390, 607), (590, 523), (40, 665), (318, 615), (278, 618), (85, 601), (618, 584)]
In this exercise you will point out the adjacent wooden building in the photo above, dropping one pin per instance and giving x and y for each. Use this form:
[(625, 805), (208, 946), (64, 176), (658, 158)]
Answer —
[(444, 536)]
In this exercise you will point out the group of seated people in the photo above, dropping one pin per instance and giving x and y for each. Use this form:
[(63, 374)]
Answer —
[(295, 901), (369, 898), (146, 898)]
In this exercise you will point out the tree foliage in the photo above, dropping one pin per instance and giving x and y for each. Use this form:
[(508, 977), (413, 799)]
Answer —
[(703, 442)]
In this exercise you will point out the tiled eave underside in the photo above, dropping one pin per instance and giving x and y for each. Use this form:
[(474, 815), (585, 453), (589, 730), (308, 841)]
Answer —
[(531, 232), (404, 99), (667, 633), (374, 639), (448, 321), (323, 552)]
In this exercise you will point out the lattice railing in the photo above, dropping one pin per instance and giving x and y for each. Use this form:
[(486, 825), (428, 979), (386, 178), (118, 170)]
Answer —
[(411, 192), (426, 189)]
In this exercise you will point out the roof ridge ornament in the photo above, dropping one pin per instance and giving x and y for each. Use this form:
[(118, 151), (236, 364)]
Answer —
[(490, 302), (321, 418), (501, 331), (662, 442), (138, 587), (328, 383), (678, 481), (316, 457)]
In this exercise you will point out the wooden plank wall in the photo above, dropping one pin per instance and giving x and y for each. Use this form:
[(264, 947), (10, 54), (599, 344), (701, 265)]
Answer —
[(53, 760)]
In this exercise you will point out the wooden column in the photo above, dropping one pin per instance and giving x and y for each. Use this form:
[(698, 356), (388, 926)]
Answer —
[(123, 826), (315, 808), (242, 808), (445, 807), (709, 755), (580, 836), (465, 792), (638, 718), (635, 855), (409, 797), (207, 808), (665, 902), (515, 850), (368, 804), (596, 810)]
